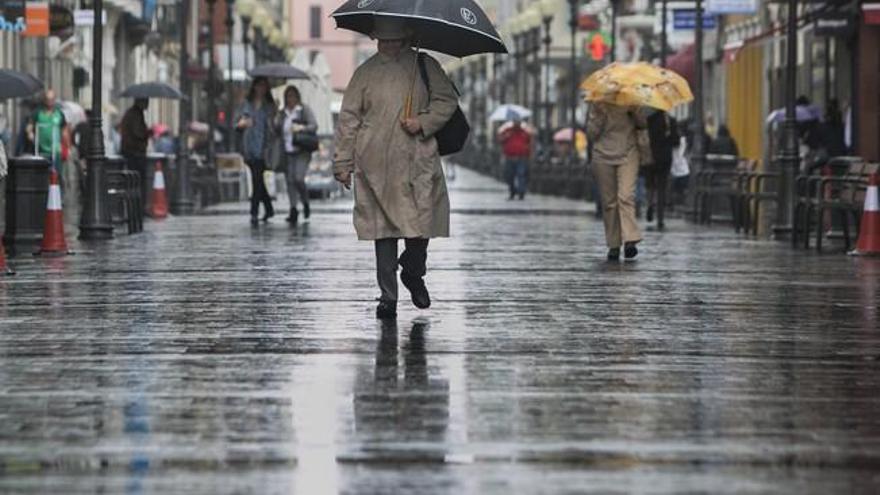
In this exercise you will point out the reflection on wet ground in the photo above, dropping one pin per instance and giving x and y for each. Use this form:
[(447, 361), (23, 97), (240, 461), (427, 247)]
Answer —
[(204, 357)]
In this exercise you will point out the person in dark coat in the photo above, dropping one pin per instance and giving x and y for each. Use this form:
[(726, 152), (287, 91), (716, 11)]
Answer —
[(723, 144), (834, 130), (664, 136), (134, 138)]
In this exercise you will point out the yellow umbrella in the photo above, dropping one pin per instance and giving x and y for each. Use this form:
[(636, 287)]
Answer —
[(637, 84)]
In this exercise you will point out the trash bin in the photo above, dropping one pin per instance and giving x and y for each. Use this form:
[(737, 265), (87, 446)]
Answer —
[(27, 189)]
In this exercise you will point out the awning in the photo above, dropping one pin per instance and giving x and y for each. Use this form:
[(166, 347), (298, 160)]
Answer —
[(682, 62)]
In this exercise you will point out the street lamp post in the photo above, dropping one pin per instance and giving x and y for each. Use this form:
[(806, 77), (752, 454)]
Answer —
[(245, 39), (573, 24), (95, 222), (230, 84), (548, 106), (698, 156), (536, 75), (614, 30), (181, 201), (212, 69), (663, 34), (788, 158)]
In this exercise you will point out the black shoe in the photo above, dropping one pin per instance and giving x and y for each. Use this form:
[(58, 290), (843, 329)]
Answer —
[(630, 251), (661, 226), (386, 310), (293, 217), (614, 254), (255, 221), (268, 215), (512, 196), (522, 196), (307, 211), (649, 216), (416, 285)]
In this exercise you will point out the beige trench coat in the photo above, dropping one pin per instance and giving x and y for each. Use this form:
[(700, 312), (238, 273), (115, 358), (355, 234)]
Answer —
[(399, 185)]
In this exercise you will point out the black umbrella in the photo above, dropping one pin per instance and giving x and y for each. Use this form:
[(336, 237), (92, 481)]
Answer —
[(454, 27), (153, 90), (278, 71), (14, 84)]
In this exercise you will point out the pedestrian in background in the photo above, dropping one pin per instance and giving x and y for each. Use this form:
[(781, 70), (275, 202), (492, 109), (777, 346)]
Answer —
[(299, 129), (516, 145), (612, 129), (47, 129), (723, 144), (663, 136), (255, 118), (134, 137), (392, 158)]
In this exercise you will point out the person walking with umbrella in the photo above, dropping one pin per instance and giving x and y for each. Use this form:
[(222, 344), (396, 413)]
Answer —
[(619, 96), (255, 117), (390, 157), (516, 145)]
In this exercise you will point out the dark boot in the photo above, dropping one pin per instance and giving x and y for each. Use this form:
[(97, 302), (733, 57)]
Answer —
[(614, 254), (386, 310), (417, 289), (293, 217), (630, 251), (307, 210)]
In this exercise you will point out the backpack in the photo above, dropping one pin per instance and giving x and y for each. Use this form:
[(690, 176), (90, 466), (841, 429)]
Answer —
[(452, 137)]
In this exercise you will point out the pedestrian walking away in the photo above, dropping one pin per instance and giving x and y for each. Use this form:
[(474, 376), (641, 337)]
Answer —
[(391, 159), (254, 118), (663, 136), (297, 125), (134, 138), (516, 144), (612, 130)]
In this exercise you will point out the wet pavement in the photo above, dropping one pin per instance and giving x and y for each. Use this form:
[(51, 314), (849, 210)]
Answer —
[(207, 357)]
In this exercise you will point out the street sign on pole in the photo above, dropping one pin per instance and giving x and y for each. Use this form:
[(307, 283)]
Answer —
[(732, 6), (686, 19)]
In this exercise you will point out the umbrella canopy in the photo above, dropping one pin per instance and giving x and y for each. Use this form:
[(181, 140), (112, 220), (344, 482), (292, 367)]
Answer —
[(565, 135), (74, 114), (637, 84), (454, 27), (803, 113), (510, 111), (14, 84), (153, 90), (278, 71)]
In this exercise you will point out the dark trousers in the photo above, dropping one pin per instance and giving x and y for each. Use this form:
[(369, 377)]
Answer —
[(260, 194), (412, 261), (517, 173), (657, 180), (138, 163)]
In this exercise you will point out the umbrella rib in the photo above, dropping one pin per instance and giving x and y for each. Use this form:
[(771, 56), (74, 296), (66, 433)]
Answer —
[(420, 17)]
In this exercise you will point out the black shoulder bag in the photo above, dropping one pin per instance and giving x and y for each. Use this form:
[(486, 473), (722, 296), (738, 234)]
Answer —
[(453, 135)]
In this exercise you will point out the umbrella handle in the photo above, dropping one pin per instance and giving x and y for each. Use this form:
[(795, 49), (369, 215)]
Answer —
[(408, 101)]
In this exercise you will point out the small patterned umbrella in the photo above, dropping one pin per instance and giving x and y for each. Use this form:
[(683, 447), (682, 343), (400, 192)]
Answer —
[(637, 84)]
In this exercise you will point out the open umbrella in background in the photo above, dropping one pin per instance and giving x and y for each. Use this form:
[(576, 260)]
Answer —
[(803, 113), (454, 27), (153, 90), (14, 84), (74, 113), (510, 111), (525, 125), (278, 71)]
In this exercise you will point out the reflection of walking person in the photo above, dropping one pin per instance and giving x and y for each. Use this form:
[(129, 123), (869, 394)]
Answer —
[(297, 120), (516, 144), (254, 117), (612, 130), (393, 161)]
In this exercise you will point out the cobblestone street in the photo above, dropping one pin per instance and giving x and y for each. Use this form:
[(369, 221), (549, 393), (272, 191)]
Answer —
[(206, 357)]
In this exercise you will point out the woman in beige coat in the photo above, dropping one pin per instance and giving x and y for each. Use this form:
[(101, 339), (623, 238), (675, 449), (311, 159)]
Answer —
[(399, 186), (611, 130)]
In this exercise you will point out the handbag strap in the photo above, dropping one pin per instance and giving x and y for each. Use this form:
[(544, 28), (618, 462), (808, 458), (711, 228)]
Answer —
[(423, 71)]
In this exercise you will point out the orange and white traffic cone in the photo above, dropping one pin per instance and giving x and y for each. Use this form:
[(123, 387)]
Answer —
[(158, 197), (869, 232), (53, 229), (4, 268)]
